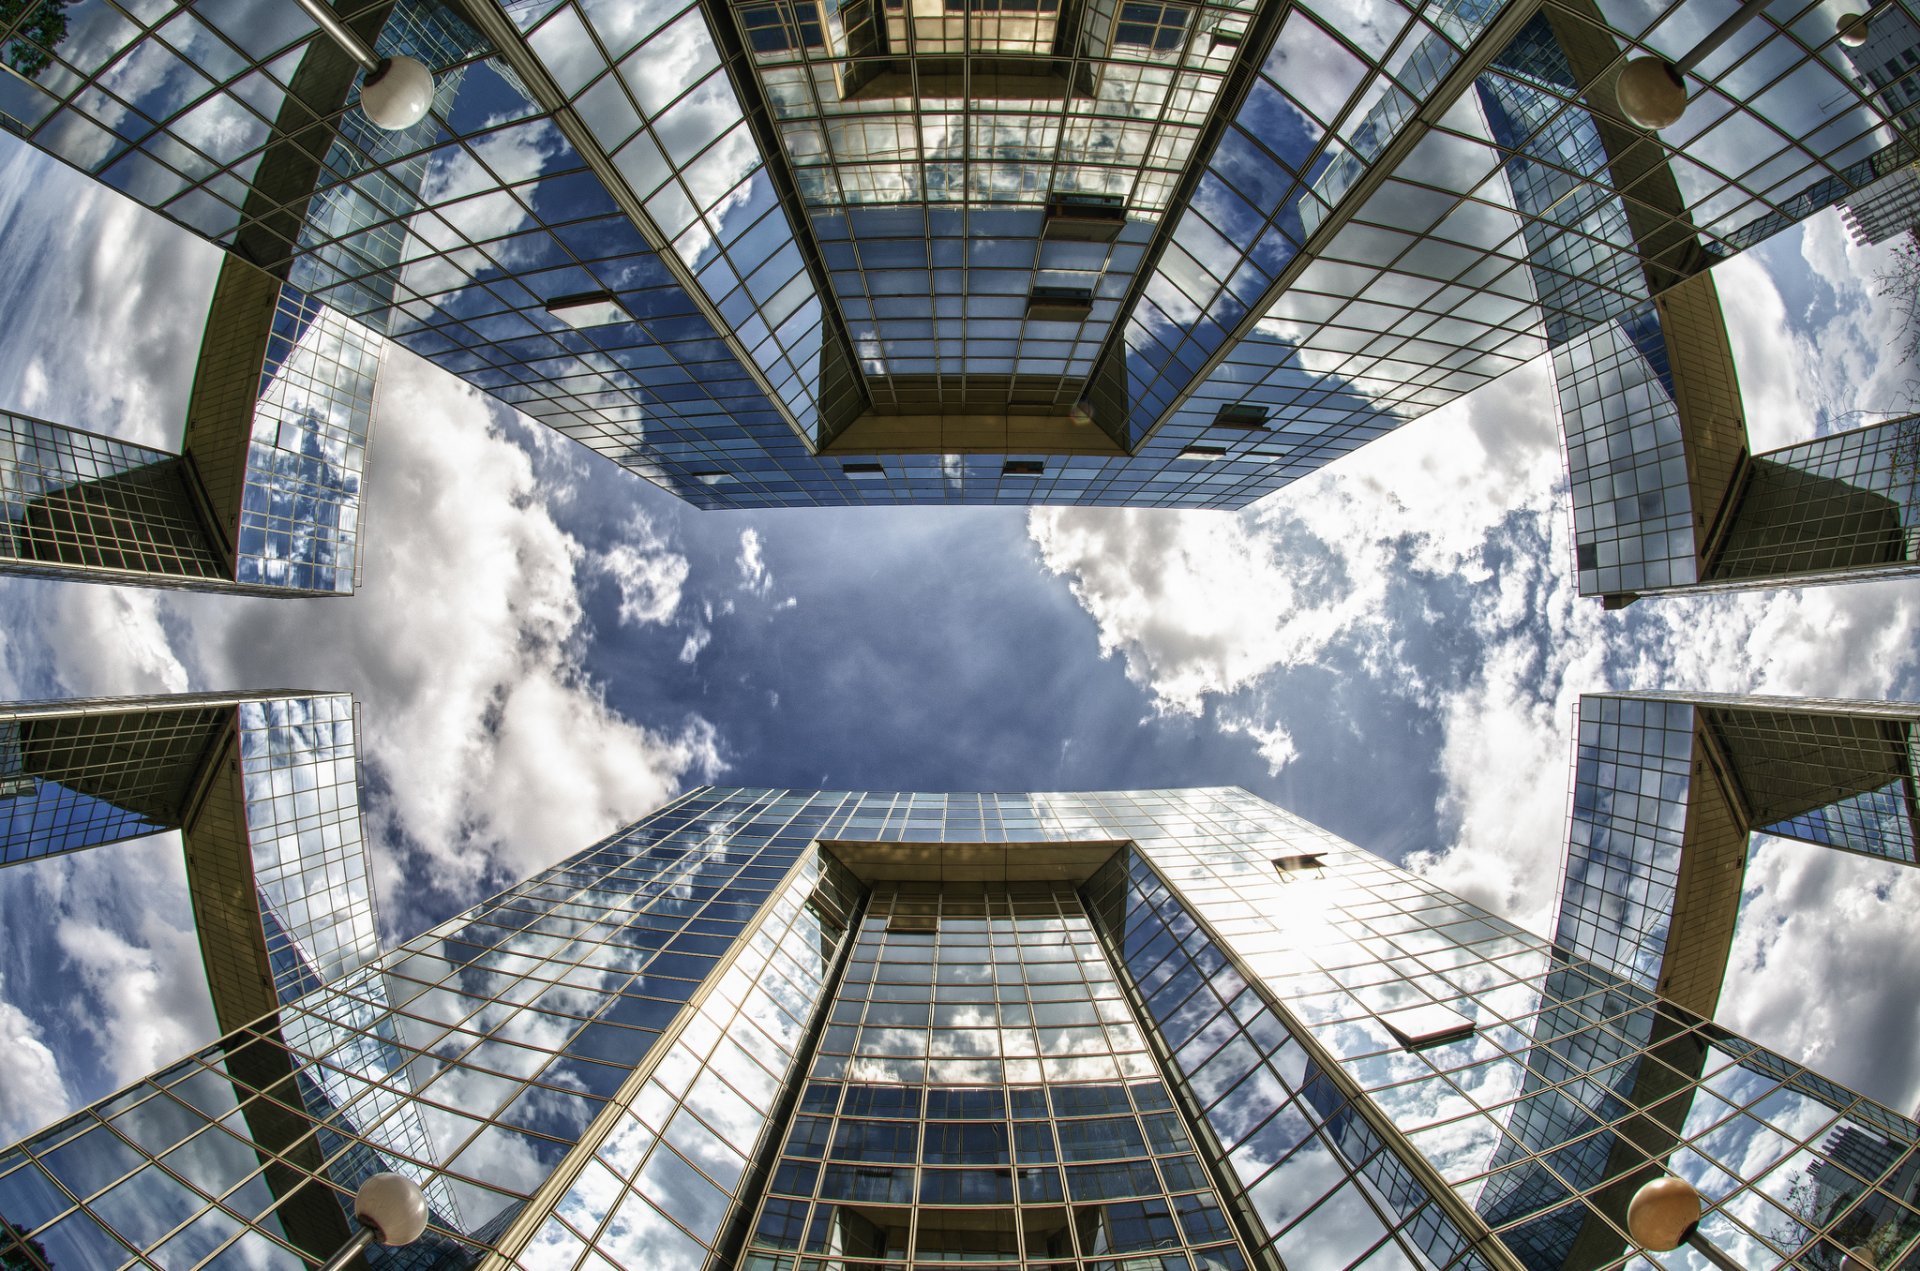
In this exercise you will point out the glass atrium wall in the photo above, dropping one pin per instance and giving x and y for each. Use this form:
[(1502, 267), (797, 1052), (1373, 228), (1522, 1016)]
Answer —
[(1369, 1071), (983, 1096), (74, 502), (72, 778), (266, 793)]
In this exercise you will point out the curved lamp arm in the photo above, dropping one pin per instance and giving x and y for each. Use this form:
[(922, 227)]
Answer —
[(1652, 92), (397, 92)]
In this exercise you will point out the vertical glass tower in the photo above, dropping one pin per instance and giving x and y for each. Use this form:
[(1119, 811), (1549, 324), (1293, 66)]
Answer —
[(801, 1031), (264, 496), (773, 253), (264, 791), (1668, 787)]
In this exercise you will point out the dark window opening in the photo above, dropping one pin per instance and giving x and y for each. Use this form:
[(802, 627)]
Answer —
[(1242, 415)]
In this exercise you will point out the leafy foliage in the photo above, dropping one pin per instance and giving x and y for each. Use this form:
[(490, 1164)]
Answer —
[(33, 27)]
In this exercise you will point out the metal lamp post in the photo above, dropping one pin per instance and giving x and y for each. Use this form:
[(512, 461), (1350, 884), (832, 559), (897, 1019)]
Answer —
[(1665, 1214), (1652, 91), (391, 1210), (398, 90)]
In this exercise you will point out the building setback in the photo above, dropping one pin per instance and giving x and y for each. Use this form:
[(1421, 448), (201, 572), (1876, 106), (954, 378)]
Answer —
[(790, 1029), (1166, 255), (1668, 788), (264, 494), (264, 790)]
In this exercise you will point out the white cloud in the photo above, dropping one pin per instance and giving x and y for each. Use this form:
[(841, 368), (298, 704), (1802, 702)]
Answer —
[(696, 642), (1273, 742), (138, 987), (34, 1090), (754, 574), (142, 991), (465, 646), (1854, 353), (1779, 398), (1203, 604), (1811, 921), (112, 641), (650, 575), (123, 298)]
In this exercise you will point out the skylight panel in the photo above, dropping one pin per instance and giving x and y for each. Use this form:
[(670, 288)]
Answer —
[(589, 309)]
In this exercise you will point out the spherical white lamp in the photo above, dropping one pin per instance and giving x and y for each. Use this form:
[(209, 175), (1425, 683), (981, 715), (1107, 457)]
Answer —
[(397, 95), (391, 1210), (1651, 94), (1665, 1214), (394, 1206), (1853, 29)]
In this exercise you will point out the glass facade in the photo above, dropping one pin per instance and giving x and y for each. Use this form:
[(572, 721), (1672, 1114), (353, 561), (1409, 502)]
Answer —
[(265, 494), (299, 514), (1667, 788), (265, 792), (983, 1095), (811, 1030), (1061, 251)]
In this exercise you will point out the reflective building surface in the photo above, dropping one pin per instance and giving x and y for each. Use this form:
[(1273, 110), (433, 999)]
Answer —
[(264, 790), (264, 496), (795, 1031), (1669, 786), (773, 253)]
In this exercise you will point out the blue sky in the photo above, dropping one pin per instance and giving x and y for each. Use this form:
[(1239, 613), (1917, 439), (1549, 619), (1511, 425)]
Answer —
[(547, 647)]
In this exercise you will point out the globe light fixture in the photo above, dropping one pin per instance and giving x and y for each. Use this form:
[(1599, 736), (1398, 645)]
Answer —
[(1665, 1214), (1652, 91), (391, 1210), (397, 92), (397, 95)]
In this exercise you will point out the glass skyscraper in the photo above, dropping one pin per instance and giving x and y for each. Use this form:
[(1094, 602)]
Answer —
[(801, 1031), (773, 252), (264, 790), (264, 496), (1668, 787)]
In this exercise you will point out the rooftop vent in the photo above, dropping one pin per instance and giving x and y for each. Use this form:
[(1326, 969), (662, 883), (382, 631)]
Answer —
[(1300, 863), (1206, 454), (1085, 218), (1047, 303)]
